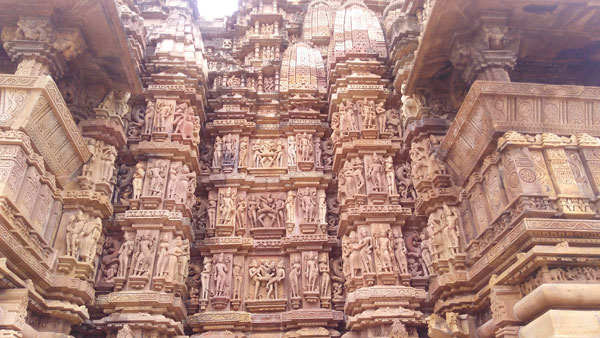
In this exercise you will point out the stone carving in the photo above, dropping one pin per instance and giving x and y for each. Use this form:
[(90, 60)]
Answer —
[(291, 151), (404, 182), (75, 226), (294, 277), (227, 207), (450, 229), (384, 251), (229, 149), (157, 174), (290, 207), (149, 117), (221, 268), (400, 251), (267, 275), (376, 173), (125, 253), (267, 153), (88, 238), (369, 116), (205, 278), (305, 147), (308, 205), (324, 273), (217, 153), (311, 272), (138, 180), (243, 153), (143, 256)]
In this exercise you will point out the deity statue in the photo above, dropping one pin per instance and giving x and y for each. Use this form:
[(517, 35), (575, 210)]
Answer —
[(157, 176), (164, 111), (240, 212), (75, 226), (450, 229), (138, 180), (425, 253), (322, 208), (358, 174), (311, 271), (144, 257), (212, 213), (125, 255), (375, 172), (384, 250), (220, 274), (307, 205), (227, 207), (229, 149), (295, 272), (89, 239), (252, 211), (305, 146)]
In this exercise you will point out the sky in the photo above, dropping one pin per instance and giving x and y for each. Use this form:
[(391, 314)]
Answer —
[(211, 9)]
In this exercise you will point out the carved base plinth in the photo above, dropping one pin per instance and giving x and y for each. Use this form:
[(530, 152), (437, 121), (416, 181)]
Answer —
[(311, 297), (386, 278), (296, 302), (192, 306), (235, 304), (138, 282), (369, 278), (394, 198), (308, 228), (378, 197), (325, 302), (267, 171), (219, 302), (305, 165), (369, 133), (150, 202), (458, 261), (85, 183), (210, 232), (441, 265), (134, 204), (360, 199), (338, 304), (158, 283), (405, 279), (69, 266), (267, 232), (215, 170), (119, 283), (266, 305), (441, 180), (407, 202), (146, 137), (227, 168), (104, 187), (575, 207), (160, 136), (202, 303), (224, 230)]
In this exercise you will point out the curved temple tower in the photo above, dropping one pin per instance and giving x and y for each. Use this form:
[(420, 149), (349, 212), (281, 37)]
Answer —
[(300, 169)]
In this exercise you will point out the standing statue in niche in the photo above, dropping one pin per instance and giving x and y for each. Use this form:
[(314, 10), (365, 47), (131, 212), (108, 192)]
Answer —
[(450, 228), (220, 271), (157, 176), (384, 250), (173, 178), (149, 117), (390, 176), (229, 149), (325, 280), (279, 153), (205, 278), (295, 273), (358, 174), (243, 155), (240, 213), (368, 114), (311, 271), (138, 180), (425, 254), (174, 253), (375, 173), (280, 211), (144, 257), (308, 204), (125, 255), (252, 212), (274, 280), (185, 185), (212, 213), (290, 206), (322, 208), (227, 207), (182, 271), (381, 117), (75, 226), (365, 244), (305, 145), (164, 110), (89, 239), (400, 251), (291, 151), (256, 276), (318, 153), (238, 280), (109, 154), (404, 181), (163, 256), (217, 153)]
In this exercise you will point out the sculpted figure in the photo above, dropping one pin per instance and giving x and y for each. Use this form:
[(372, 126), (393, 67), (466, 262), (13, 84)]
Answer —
[(164, 111), (393, 122), (266, 211), (280, 211), (384, 250), (163, 256), (89, 239), (227, 207), (149, 117), (322, 208), (240, 213), (173, 177), (185, 123), (205, 278), (279, 153), (238, 280), (348, 117), (400, 251), (174, 253), (220, 271), (311, 271), (291, 151), (305, 145), (318, 153), (184, 184), (425, 254), (375, 173), (74, 230), (351, 255), (410, 105), (243, 156), (252, 211), (390, 176), (125, 255), (212, 213), (308, 204), (381, 117), (365, 245), (256, 277), (368, 114), (109, 154), (290, 206), (450, 228), (157, 176), (138, 180), (358, 174), (144, 256), (88, 168), (295, 271), (324, 270), (433, 228), (274, 281), (404, 181), (217, 153), (229, 149)]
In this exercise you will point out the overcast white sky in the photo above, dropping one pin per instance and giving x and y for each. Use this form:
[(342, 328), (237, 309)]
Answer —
[(211, 9)]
